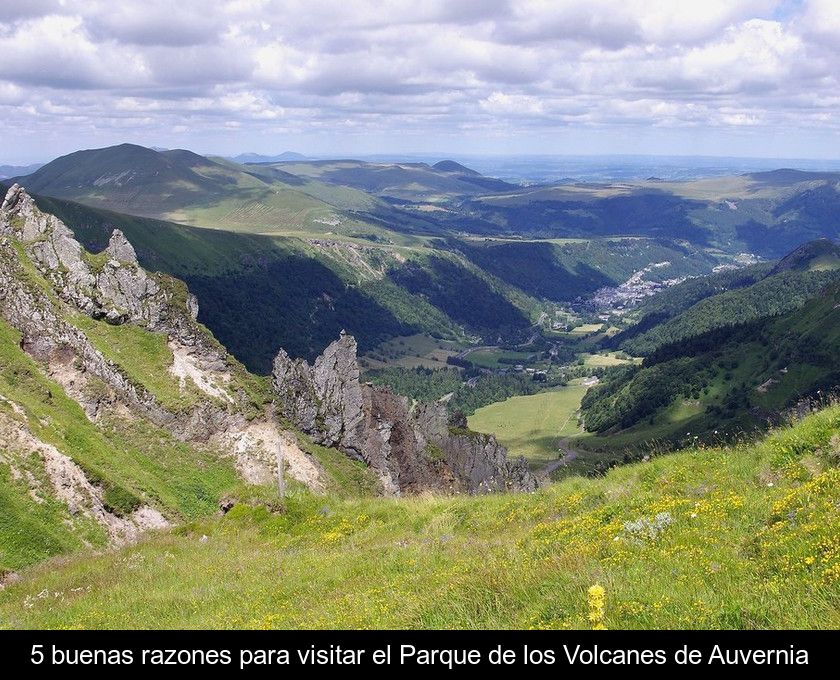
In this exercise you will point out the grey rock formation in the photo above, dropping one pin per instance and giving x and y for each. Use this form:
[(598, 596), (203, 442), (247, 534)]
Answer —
[(110, 286), (411, 449), (118, 289), (120, 249)]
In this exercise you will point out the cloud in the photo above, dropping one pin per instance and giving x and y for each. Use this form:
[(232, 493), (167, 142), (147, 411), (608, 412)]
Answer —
[(153, 22), (399, 69)]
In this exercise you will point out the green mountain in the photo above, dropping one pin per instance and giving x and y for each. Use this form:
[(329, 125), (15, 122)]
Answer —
[(732, 379), (698, 306), (764, 213), (181, 186)]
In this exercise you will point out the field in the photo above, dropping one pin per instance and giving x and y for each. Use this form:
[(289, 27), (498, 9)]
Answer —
[(411, 351), (586, 329), (641, 533), (607, 359), (490, 358), (531, 425)]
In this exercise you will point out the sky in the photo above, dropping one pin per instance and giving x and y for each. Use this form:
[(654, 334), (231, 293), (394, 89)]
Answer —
[(342, 77)]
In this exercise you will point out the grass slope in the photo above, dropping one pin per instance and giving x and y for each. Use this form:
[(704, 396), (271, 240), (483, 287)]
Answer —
[(526, 561), (531, 425), (128, 459)]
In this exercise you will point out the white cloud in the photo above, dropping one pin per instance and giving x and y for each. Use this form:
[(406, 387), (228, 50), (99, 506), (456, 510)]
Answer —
[(400, 67), (512, 104)]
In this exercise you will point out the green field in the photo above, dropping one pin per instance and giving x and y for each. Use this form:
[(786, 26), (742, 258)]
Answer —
[(411, 351), (499, 561), (489, 358), (531, 425), (586, 329), (607, 359)]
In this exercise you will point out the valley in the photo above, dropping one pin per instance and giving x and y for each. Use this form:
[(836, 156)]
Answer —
[(405, 257), (484, 403)]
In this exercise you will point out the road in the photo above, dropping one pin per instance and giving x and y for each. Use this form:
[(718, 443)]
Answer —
[(569, 454)]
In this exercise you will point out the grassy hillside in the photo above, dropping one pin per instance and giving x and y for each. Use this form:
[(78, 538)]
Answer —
[(703, 304), (132, 460), (764, 213), (774, 295), (723, 381), (527, 561)]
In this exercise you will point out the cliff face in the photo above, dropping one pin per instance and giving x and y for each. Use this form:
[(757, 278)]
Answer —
[(61, 298), (110, 286), (411, 449)]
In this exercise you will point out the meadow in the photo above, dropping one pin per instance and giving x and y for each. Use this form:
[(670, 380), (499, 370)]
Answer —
[(641, 533), (531, 425)]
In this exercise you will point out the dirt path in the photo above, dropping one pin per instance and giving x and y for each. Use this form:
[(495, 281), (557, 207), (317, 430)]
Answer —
[(569, 454)]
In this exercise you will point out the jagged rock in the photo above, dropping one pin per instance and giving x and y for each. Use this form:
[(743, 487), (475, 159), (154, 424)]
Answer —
[(410, 450), (120, 249), (192, 306), (120, 292), (336, 381)]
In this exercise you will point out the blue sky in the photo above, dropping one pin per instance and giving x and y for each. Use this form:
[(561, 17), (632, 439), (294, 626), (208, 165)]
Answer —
[(717, 77)]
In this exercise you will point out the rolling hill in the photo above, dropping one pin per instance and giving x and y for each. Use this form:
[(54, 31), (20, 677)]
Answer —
[(400, 181), (181, 186), (719, 300), (765, 213), (721, 382)]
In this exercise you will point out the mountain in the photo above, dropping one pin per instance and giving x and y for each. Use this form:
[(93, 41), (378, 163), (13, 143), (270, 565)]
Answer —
[(7, 171), (120, 412), (185, 187), (724, 298), (400, 181), (259, 158), (132, 178), (119, 407), (768, 214), (820, 255), (455, 168), (730, 379)]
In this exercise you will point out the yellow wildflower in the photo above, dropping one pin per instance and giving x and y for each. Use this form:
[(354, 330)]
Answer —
[(596, 597)]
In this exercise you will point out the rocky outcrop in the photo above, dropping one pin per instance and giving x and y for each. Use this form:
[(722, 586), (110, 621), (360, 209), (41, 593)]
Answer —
[(68, 483), (412, 449), (325, 399), (111, 286)]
